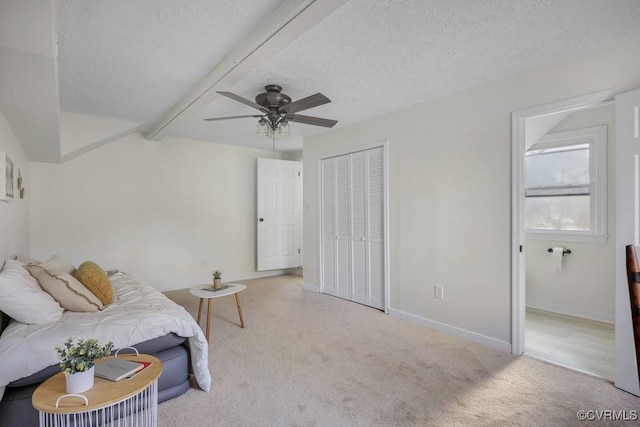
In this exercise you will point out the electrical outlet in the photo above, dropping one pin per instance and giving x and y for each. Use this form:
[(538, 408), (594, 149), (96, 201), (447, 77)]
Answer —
[(439, 292), (203, 262)]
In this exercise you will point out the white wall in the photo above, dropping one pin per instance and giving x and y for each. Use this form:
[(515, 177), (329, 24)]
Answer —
[(156, 209), (450, 190), (585, 286), (14, 215)]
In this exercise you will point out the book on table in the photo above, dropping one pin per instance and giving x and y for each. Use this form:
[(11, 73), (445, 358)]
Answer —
[(115, 369), (144, 364)]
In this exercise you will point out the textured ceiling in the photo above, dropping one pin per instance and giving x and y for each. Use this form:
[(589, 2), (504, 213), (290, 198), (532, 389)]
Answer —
[(134, 60)]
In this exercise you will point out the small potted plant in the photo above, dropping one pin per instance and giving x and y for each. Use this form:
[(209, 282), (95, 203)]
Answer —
[(77, 361), (217, 279)]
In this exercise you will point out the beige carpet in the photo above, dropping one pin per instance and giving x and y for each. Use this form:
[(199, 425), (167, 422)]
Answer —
[(307, 359)]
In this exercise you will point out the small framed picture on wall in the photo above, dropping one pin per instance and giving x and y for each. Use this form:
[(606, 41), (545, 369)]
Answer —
[(6, 177)]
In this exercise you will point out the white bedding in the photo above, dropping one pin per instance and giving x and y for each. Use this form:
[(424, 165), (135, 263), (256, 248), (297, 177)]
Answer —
[(138, 313)]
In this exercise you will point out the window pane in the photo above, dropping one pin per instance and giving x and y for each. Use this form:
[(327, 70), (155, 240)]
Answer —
[(557, 168), (568, 213)]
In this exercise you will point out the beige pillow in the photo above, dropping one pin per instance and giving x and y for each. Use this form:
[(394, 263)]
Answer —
[(65, 289), (96, 280), (27, 260), (56, 263)]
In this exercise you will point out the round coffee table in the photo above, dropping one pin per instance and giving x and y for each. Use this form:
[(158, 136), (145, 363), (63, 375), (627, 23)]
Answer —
[(135, 399), (207, 292)]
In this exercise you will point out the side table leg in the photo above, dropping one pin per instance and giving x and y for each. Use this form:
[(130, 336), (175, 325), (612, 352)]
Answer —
[(208, 317), (239, 310), (199, 310)]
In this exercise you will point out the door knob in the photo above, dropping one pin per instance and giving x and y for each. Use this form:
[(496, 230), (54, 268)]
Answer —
[(261, 219)]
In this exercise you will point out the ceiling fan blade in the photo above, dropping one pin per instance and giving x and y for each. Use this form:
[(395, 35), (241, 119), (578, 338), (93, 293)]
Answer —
[(244, 101), (212, 119), (308, 120), (306, 103)]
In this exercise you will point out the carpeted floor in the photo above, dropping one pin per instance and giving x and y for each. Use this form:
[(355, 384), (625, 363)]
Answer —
[(308, 359)]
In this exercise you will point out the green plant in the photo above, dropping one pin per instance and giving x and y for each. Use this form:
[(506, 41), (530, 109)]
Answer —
[(80, 357), (217, 274)]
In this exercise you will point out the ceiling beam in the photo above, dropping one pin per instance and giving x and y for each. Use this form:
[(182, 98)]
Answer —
[(82, 133), (288, 22)]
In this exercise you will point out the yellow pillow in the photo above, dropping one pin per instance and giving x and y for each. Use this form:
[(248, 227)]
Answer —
[(96, 280)]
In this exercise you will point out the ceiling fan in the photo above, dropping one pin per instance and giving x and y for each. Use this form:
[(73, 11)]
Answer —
[(278, 110)]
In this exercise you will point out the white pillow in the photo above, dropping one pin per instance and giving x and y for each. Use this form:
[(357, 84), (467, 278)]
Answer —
[(22, 298)]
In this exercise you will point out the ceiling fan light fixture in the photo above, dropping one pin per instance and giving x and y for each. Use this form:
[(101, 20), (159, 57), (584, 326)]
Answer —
[(263, 128), (283, 127)]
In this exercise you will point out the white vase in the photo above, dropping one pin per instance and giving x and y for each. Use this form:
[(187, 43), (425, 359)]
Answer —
[(80, 381)]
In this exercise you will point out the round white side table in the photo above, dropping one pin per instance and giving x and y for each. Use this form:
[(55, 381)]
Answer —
[(207, 292)]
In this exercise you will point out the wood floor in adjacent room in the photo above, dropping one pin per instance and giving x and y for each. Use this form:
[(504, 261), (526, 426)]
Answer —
[(582, 344)]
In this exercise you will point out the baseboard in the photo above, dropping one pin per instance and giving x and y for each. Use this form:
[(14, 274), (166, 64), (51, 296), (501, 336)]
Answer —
[(259, 275), (311, 288), (453, 330), (571, 311), (240, 277)]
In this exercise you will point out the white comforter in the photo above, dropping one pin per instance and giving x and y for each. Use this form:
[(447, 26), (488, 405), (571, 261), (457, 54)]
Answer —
[(138, 313)]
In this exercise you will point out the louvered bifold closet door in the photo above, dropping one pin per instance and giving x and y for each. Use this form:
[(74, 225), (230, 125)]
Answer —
[(353, 227), (367, 177), (376, 232), (359, 215), (343, 237), (329, 231)]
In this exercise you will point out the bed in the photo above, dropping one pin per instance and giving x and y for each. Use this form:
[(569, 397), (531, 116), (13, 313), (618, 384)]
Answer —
[(139, 316)]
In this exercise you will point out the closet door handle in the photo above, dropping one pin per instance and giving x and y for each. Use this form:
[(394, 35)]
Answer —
[(362, 239), (261, 219)]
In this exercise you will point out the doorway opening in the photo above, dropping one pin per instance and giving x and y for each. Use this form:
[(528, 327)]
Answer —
[(553, 291), (569, 257)]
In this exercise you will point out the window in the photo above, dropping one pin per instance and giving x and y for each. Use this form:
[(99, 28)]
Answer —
[(565, 186)]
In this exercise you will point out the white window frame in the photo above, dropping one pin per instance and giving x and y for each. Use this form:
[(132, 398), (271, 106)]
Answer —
[(596, 137)]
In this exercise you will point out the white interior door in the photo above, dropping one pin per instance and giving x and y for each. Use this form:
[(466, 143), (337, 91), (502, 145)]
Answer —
[(279, 214), (627, 231)]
